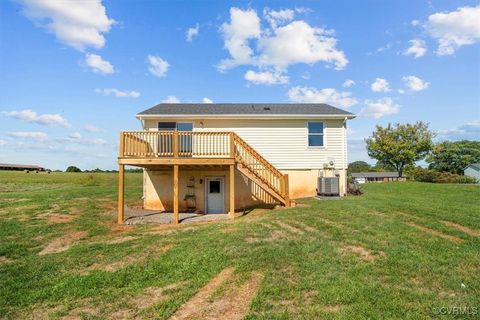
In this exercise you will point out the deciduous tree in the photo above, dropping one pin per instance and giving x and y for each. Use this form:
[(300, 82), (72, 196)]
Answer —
[(400, 145), (454, 156), (358, 166)]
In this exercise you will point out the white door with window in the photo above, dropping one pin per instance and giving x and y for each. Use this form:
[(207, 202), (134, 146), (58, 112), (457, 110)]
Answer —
[(214, 194)]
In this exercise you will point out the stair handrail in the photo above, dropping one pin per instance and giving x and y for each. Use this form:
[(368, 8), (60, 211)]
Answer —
[(238, 140)]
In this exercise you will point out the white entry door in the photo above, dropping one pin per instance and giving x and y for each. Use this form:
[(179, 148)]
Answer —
[(215, 194)]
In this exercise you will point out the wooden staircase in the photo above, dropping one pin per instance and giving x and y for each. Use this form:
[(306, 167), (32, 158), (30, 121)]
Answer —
[(255, 167)]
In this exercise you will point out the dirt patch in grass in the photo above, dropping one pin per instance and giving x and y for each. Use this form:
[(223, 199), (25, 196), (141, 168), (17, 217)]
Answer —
[(63, 243), (83, 312), (362, 253), (290, 228), (435, 233), (273, 236), (332, 223), (121, 240), (147, 299), (229, 229), (302, 205), (87, 309), (5, 260), (119, 228), (332, 308), (59, 218), (15, 200), (128, 260), (151, 296), (306, 227), (467, 230), (54, 217), (233, 303)]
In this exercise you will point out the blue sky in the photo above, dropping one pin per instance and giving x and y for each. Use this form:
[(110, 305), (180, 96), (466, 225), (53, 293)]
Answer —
[(72, 75)]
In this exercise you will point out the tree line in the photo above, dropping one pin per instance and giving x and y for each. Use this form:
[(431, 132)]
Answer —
[(97, 170), (399, 147)]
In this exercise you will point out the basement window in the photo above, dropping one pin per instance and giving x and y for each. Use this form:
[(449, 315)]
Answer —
[(315, 134)]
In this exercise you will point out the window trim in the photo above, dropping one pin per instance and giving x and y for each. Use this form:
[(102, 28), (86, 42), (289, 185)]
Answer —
[(323, 134)]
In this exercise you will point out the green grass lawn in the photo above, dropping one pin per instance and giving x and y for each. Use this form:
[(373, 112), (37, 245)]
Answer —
[(392, 253)]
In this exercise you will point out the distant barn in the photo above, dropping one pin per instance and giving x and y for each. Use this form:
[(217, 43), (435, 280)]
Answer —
[(20, 167)]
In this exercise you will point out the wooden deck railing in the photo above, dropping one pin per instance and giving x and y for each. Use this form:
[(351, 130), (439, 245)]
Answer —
[(174, 144), (197, 144)]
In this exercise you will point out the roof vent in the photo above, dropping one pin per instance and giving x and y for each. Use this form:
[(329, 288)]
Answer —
[(266, 108)]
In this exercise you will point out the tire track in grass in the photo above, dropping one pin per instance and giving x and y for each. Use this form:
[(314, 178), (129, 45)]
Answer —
[(435, 233), (467, 230), (290, 228), (232, 304)]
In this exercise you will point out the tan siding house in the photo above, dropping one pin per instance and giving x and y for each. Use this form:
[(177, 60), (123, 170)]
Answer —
[(225, 157)]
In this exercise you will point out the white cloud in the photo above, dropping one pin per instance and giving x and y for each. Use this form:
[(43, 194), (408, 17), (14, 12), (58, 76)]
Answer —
[(157, 66), (380, 85), (276, 18), (287, 42), (118, 93), (415, 23), (206, 100), (417, 48), (192, 32), (266, 77), (454, 29), (243, 26), (348, 83), (43, 119), (415, 84), (3, 143), (171, 99), (386, 47), (99, 141), (79, 24), (98, 65), (327, 95), (468, 131), (75, 136), (91, 128), (34, 135), (298, 42), (379, 108)]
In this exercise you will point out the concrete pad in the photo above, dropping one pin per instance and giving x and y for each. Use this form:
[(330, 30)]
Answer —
[(141, 216)]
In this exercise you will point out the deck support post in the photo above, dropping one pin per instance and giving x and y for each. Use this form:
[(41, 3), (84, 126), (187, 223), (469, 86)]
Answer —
[(175, 194), (121, 185), (287, 190), (231, 213)]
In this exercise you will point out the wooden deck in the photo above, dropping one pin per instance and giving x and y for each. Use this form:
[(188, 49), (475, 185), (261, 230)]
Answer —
[(193, 148)]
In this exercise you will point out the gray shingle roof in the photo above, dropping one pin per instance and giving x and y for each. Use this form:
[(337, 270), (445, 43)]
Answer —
[(375, 175), (475, 166), (245, 109)]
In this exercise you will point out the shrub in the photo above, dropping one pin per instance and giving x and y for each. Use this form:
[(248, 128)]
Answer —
[(427, 175)]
